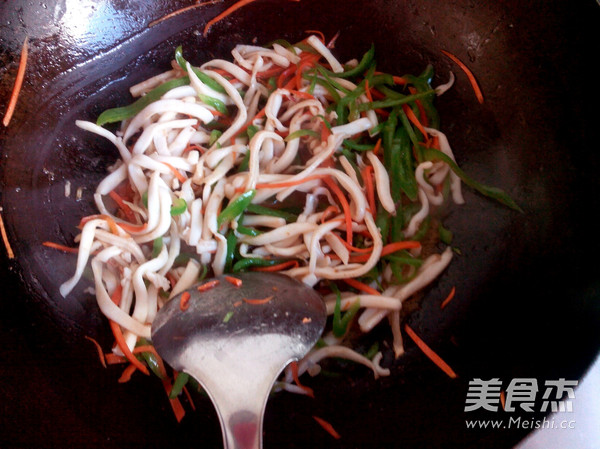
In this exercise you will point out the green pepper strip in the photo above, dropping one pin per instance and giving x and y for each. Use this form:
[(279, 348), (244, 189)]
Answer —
[(391, 102), (246, 263), (300, 133), (353, 145), (180, 382), (156, 247), (149, 358), (491, 192), (125, 112), (248, 231), (179, 207), (362, 66), (214, 136), (201, 75), (262, 210), (236, 207), (340, 324), (445, 234), (230, 255)]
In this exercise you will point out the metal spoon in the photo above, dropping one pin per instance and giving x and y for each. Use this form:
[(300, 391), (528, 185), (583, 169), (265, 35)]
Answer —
[(236, 340)]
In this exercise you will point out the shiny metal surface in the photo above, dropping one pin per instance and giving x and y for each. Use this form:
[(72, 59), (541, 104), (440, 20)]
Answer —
[(235, 341)]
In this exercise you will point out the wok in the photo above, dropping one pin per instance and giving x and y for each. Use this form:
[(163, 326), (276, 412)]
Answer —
[(527, 302)]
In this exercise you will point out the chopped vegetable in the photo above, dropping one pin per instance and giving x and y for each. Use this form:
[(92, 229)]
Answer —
[(12, 102)]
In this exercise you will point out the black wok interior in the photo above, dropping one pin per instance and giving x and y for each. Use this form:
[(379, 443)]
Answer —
[(528, 295)]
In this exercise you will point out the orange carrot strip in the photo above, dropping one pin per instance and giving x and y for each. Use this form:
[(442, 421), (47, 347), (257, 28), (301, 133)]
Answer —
[(345, 206), (469, 74), (503, 399), (258, 301), (284, 184), (234, 281), (389, 249), (99, 349), (129, 214), (294, 368), (120, 339), (328, 427), (429, 352), (448, 298), (178, 409), (189, 397), (225, 13), (12, 103), (399, 80), (333, 209), (368, 177), (128, 227), (377, 147), (66, 249), (126, 375), (9, 251), (319, 33), (184, 302), (414, 120), (176, 172), (208, 285), (361, 286), (278, 267), (114, 359), (181, 11), (352, 248), (368, 91)]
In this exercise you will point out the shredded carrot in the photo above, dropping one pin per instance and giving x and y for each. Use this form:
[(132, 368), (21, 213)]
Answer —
[(319, 33), (182, 10), (99, 349), (128, 227), (12, 103), (354, 248), (415, 121), (120, 339), (66, 249), (189, 397), (390, 248), (368, 177), (226, 13), (114, 359), (123, 206), (178, 409), (503, 399), (285, 184), (127, 373), (429, 352), (368, 91), (328, 427), (345, 206), (234, 281), (361, 286), (208, 285), (279, 266), (237, 303), (195, 146), (469, 74), (448, 298), (258, 301), (294, 368), (176, 172), (184, 302), (9, 252), (333, 209), (377, 147)]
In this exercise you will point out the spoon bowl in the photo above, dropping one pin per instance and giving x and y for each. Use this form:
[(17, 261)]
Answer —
[(234, 335)]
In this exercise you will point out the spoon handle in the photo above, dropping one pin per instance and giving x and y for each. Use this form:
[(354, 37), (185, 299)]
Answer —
[(240, 408)]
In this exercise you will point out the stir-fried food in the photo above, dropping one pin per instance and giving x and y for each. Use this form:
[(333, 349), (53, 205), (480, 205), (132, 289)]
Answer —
[(284, 159)]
